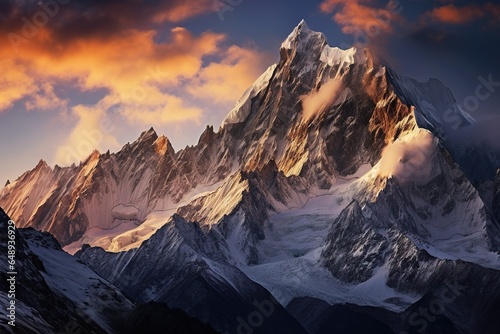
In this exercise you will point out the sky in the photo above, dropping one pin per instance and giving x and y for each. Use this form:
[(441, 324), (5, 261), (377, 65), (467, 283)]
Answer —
[(83, 75)]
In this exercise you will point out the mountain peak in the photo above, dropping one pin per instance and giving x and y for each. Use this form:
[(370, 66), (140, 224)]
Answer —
[(148, 135), (151, 131), (300, 35), (41, 164), (303, 25), (304, 41), (163, 145), (94, 155), (7, 183), (207, 137)]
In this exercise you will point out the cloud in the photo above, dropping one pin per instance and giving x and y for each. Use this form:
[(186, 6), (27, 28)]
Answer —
[(409, 159), (315, 102), (170, 109), (92, 131), (149, 75), (135, 70), (71, 20), (15, 83), (452, 14), (223, 82), (134, 60), (46, 99), (362, 16), (182, 10)]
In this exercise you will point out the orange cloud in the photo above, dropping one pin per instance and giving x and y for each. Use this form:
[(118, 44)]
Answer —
[(137, 70), (146, 78), (134, 68), (123, 62), (360, 16), (15, 83), (186, 9), (172, 109), (451, 14), (225, 81), (455, 15), (146, 81), (89, 133)]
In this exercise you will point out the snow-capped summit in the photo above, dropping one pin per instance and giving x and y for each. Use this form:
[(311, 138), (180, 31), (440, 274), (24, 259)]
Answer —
[(309, 44), (300, 36)]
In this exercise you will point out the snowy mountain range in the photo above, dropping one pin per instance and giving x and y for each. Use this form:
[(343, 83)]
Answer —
[(332, 199)]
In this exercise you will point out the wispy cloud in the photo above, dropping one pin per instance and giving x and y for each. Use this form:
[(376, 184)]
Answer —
[(459, 15), (15, 82), (86, 136), (409, 159), (316, 102), (46, 99), (223, 82), (454, 15), (361, 15)]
